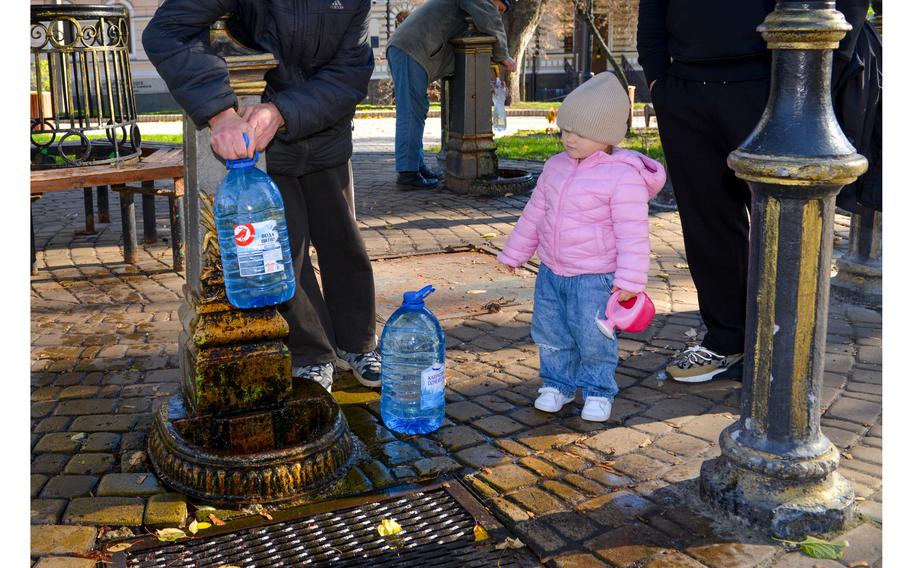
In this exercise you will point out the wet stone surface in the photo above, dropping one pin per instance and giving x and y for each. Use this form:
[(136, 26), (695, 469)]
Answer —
[(622, 493)]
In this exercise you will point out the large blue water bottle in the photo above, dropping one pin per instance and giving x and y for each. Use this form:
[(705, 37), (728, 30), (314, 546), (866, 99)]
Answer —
[(253, 236), (413, 351)]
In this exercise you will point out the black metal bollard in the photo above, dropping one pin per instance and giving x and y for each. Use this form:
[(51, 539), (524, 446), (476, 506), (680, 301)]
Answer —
[(777, 469)]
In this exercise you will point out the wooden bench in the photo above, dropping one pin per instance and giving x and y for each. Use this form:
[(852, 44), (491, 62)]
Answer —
[(157, 163)]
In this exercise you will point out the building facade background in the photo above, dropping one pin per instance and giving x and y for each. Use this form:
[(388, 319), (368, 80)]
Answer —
[(553, 63)]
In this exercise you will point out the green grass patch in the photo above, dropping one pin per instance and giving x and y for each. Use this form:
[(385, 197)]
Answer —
[(528, 145), (434, 105), (536, 104), (645, 141), (540, 146), (172, 138)]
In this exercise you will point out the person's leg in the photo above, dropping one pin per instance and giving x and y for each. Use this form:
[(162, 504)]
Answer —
[(411, 105), (306, 313), (598, 355), (712, 202), (558, 353), (344, 265)]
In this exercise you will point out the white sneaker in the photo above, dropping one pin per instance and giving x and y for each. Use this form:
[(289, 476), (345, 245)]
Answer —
[(597, 409), (551, 400)]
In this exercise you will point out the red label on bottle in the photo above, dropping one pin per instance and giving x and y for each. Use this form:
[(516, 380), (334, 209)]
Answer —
[(244, 234)]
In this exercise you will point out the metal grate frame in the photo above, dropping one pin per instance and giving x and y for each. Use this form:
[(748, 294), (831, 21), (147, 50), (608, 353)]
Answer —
[(438, 530)]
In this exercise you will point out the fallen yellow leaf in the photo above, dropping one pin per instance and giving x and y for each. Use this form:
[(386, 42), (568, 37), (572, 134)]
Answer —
[(119, 547), (480, 533), (168, 535), (489, 235), (388, 527)]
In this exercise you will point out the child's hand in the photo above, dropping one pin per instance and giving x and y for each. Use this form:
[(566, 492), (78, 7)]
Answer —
[(510, 269), (624, 295)]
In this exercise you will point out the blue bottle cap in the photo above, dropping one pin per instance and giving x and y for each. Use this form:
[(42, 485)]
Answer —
[(243, 162), (415, 299)]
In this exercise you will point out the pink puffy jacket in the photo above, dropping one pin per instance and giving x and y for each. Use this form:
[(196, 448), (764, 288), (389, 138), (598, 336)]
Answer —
[(590, 217)]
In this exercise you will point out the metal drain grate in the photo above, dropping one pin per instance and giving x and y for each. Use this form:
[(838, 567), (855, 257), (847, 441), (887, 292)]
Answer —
[(438, 530)]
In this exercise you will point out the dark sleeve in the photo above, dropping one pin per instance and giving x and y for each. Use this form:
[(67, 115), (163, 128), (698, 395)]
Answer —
[(335, 89), (176, 41), (489, 21), (653, 55), (855, 12)]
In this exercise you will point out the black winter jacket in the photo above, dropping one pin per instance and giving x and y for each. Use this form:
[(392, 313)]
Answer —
[(325, 64), (717, 40), (703, 40)]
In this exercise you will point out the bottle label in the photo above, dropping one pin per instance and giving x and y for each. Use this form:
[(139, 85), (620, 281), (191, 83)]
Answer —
[(433, 387), (258, 248)]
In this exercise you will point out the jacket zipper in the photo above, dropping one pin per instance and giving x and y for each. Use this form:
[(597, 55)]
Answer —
[(562, 196)]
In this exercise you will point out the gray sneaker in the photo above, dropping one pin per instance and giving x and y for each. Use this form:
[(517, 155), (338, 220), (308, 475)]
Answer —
[(322, 373), (367, 367)]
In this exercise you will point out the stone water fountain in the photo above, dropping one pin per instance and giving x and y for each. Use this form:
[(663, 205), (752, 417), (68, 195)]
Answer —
[(470, 152), (241, 432)]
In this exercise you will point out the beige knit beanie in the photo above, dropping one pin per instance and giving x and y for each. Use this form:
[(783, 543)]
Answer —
[(598, 109)]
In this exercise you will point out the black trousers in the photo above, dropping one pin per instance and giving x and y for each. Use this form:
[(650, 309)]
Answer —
[(700, 124), (343, 313)]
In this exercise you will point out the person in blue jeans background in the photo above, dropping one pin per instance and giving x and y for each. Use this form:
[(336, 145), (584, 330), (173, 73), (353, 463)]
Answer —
[(419, 53)]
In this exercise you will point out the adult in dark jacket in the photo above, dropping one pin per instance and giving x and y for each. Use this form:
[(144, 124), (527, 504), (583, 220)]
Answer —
[(419, 53), (856, 85), (304, 124), (709, 74)]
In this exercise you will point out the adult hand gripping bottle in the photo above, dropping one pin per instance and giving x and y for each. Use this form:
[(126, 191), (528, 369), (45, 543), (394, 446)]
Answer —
[(413, 351), (253, 236)]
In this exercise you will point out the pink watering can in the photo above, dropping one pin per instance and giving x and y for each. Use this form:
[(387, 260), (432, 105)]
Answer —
[(633, 315)]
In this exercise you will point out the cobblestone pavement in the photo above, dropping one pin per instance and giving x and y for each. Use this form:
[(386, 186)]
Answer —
[(104, 352)]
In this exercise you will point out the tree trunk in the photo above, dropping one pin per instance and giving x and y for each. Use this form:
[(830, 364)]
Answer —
[(520, 22)]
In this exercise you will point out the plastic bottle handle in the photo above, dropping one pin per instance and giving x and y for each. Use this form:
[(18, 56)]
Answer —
[(246, 142), (425, 291)]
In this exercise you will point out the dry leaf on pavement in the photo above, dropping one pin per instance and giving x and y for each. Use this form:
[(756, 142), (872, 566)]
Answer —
[(119, 547)]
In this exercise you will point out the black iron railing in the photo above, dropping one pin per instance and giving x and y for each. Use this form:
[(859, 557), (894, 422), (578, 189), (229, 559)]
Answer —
[(83, 109)]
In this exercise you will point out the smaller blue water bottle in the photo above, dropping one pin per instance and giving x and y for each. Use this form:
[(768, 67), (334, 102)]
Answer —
[(413, 351), (253, 236)]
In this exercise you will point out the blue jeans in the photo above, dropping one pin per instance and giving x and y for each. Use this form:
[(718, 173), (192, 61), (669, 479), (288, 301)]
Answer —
[(411, 107), (573, 351)]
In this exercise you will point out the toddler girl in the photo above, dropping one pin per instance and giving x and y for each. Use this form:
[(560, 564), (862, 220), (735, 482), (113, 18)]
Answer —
[(588, 222)]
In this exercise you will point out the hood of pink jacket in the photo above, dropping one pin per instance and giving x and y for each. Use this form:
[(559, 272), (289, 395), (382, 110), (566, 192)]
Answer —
[(651, 171), (590, 217)]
